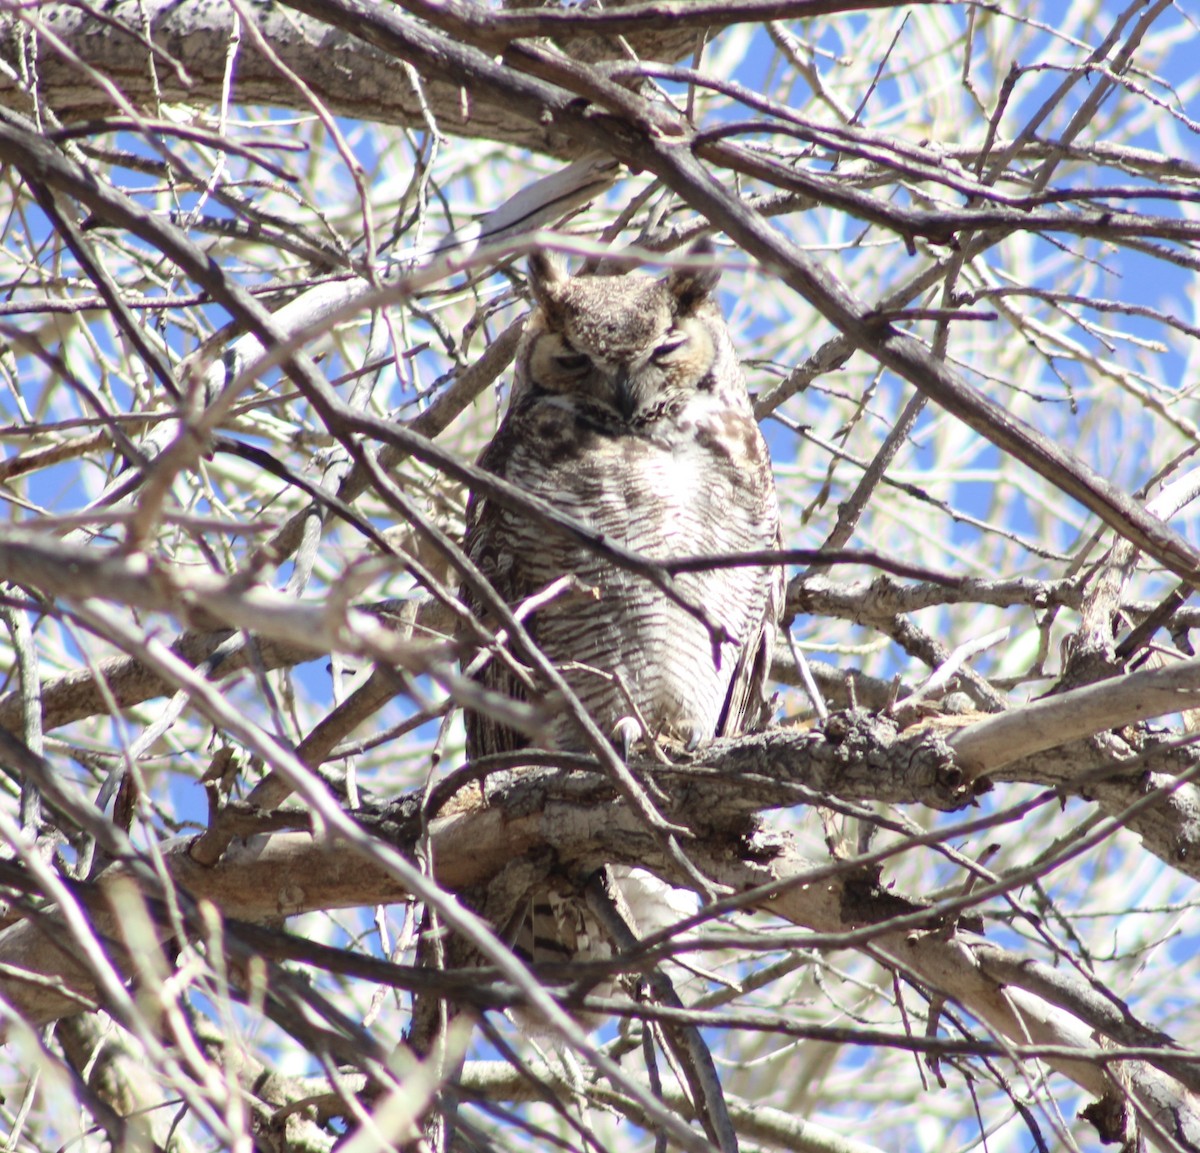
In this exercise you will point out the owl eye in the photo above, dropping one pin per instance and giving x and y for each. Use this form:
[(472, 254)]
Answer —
[(673, 342), (573, 362)]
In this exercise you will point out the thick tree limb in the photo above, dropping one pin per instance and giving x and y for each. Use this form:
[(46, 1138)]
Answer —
[(192, 43), (1058, 720)]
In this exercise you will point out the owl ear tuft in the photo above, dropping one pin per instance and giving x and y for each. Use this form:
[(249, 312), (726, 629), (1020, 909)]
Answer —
[(692, 286), (547, 275)]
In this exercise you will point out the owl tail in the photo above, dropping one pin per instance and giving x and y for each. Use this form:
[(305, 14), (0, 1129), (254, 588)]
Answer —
[(556, 927)]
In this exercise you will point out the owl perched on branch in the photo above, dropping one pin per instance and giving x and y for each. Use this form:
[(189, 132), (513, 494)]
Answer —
[(629, 412)]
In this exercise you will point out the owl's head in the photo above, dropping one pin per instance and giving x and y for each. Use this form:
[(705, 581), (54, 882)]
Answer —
[(630, 344)]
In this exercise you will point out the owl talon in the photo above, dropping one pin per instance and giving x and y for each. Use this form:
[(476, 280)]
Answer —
[(694, 738), (625, 732)]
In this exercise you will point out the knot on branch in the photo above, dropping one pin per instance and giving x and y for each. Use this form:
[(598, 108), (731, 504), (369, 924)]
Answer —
[(873, 760), (854, 755)]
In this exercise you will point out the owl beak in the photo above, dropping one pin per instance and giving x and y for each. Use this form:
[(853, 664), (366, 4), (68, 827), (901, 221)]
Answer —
[(626, 393)]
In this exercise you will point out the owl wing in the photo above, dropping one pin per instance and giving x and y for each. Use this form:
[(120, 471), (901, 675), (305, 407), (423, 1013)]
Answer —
[(504, 546), (747, 705), (745, 518)]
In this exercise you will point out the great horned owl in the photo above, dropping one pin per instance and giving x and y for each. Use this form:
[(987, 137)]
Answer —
[(629, 412)]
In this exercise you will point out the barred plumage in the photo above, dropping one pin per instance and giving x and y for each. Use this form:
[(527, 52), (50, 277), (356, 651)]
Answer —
[(630, 413)]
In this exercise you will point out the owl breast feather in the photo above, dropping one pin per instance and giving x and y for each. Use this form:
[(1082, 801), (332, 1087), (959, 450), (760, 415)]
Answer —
[(682, 489)]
